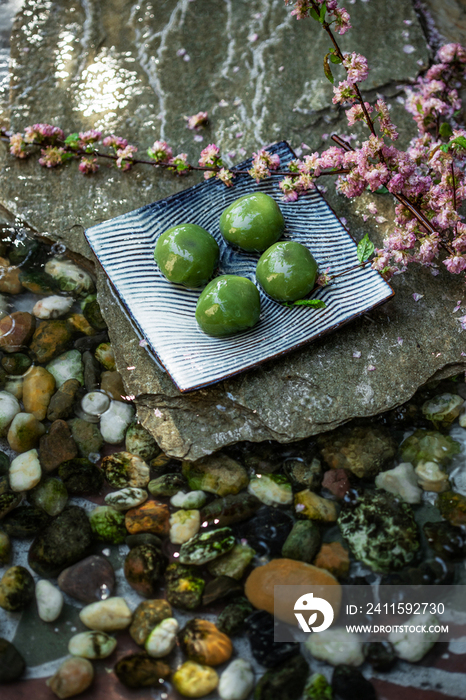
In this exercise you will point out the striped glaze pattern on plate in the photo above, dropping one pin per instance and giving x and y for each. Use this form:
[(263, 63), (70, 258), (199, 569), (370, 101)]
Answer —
[(163, 312)]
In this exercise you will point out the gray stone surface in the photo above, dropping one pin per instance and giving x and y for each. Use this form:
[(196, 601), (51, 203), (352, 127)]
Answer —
[(114, 66)]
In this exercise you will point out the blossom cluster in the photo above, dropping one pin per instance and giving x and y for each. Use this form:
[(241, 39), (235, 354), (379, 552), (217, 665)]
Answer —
[(337, 16), (262, 163)]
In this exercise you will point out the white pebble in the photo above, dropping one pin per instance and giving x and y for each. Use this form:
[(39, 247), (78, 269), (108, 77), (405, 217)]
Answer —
[(412, 645), (115, 421), (9, 407), (193, 499), (49, 601), (107, 615), (431, 478), (336, 647), (401, 481), (52, 307), (92, 645), (162, 639), (271, 489), (126, 498), (95, 403), (25, 471), (237, 681), (184, 524)]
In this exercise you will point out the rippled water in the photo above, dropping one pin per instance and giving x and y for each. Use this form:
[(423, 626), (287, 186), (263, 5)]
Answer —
[(8, 9)]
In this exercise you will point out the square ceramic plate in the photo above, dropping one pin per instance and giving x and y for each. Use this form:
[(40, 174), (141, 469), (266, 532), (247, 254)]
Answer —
[(163, 313)]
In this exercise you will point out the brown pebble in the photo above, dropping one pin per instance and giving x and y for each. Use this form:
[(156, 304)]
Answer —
[(337, 482), (203, 643), (148, 517), (57, 446), (38, 387), (112, 383), (141, 671), (334, 558), (16, 330), (148, 615), (9, 278), (51, 339), (74, 676), (86, 579), (61, 403)]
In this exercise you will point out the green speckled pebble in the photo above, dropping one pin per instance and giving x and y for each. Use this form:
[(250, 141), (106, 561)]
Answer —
[(229, 304), (108, 524), (286, 271), (203, 548), (252, 222), (187, 254)]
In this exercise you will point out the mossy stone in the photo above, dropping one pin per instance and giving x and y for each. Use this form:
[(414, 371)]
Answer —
[(38, 282), (139, 442), (229, 304), (148, 615), (12, 664), (184, 586), (141, 671), (80, 476), (17, 363), (108, 524), (25, 521), (303, 542), (452, 507), (187, 254), (143, 569), (207, 546), (8, 501), (286, 682), (232, 618), (16, 589), (287, 271), (50, 495), (166, 485), (253, 222), (92, 313), (87, 436), (5, 548), (429, 446)]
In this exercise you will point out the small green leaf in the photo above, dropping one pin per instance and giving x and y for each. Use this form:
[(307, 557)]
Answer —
[(313, 303), (323, 11), (327, 71), (382, 190), (314, 14), (445, 130), (72, 141), (335, 59), (365, 249), (444, 147), (460, 140)]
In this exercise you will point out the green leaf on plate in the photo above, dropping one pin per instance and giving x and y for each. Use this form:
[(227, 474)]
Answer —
[(313, 303), (365, 249)]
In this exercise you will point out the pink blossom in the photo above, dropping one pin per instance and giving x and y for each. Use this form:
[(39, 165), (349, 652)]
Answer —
[(323, 279), (332, 158), (160, 152), (226, 176), (342, 20), (17, 146), (356, 113), (356, 67), (88, 137), (43, 132), (115, 141), (301, 8), (377, 176), (288, 187), (455, 264), (417, 296), (262, 163), (386, 126), (209, 155), (197, 120), (51, 156), (452, 52), (462, 320), (344, 92), (180, 163), (88, 165), (125, 156)]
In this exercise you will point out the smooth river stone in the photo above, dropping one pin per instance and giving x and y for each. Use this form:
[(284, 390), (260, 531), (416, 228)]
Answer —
[(49, 601), (16, 330), (9, 407), (25, 471), (259, 586), (148, 615), (89, 580), (12, 663), (107, 615), (38, 388), (67, 366), (57, 446), (24, 432), (92, 645), (73, 677), (115, 421), (149, 517)]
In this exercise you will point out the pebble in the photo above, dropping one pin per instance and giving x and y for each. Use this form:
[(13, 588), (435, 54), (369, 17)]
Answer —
[(16, 330), (234, 563), (259, 586), (232, 618), (412, 646), (112, 384), (194, 680), (91, 372), (166, 485), (380, 530), (16, 589), (193, 499), (452, 507), (261, 629), (25, 471), (231, 509), (303, 542), (363, 450), (221, 588), (162, 638), (429, 446), (91, 310), (184, 524), (446, 540), (236, 681), (37, 282), (302, 473), (90, 580), (207, 546), (336, 646), (267, 531), (286, 682), (401, 481), (442, 410), (9, 501), (14, 386), (105, 355), (24, 432), (74, 676), (25, 521), (52, 307), (69, 277), (271, 489), (38, 387), (62, 543), (149, 517), (77, 323), (67, 366), (217, 474), (95, 403), (12, 664), (147, 616), (87, 436), (123, 469), (308, 504), (349, 683), (431, 478), (143, 569), (92, 645), (203, 643), (50, 339), (5, 547), (57, 446), (337, 482), (62, 402), (317, 688), (9, 278), (334, 558), (49, 601), (16, 364), (81, 476), (107, 615), (184, 586), (115, 421), (127, 498), (141, 671), (108, 524), (140, 442), (9, 407), (380, 655)]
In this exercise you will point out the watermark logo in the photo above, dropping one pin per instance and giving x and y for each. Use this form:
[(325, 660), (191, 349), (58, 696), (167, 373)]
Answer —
[(309, 604)]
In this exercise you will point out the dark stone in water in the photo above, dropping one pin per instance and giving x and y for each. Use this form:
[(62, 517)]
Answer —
[(22, 251), (264, 457), (231, 620), (167, 485), (90, 342), (260, 630), (446, 540), (220, 588), (62, 543), (91, 371), (348, 683), (267, 531), (303, 542), (25, 521), (89, 580), (62, 402), (16, 364), (230, 509), (144, 566), (81, 476), (141, 671), (92, 313), (12, 664), (143, 538), (8, 501), (285, 682), (302, 473), (380, 655), (57, 446), (184, 586), (4, 463)]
